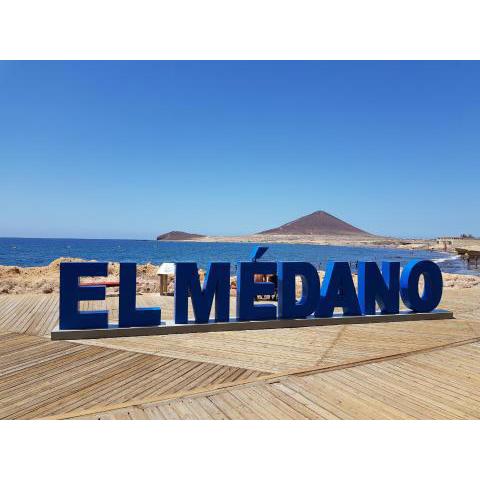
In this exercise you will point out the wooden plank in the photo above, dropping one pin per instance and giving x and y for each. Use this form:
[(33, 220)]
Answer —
[(420, 385), (273, 350), (39, 378)]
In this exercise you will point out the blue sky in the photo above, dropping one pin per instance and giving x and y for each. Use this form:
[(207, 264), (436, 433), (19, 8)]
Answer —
[(133, 149)]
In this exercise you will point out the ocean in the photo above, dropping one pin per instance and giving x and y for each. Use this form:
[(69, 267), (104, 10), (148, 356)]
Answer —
[(32, 252)]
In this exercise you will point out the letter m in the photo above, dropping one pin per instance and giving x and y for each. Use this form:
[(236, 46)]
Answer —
[(216, 284)]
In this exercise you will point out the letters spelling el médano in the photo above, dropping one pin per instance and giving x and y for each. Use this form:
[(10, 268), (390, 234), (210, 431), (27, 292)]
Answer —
[(376, 286)]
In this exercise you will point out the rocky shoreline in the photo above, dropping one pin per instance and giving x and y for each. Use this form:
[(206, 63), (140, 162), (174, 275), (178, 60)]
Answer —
[(45, 279)]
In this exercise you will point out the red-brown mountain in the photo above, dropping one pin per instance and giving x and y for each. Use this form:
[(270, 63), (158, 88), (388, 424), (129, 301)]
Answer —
[(317, 223), (177, 235)]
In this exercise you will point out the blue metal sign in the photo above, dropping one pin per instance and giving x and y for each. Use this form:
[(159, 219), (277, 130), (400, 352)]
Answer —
[(318, 300)]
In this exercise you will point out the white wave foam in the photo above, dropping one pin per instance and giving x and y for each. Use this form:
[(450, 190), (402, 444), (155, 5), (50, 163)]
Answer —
[(448, 259)]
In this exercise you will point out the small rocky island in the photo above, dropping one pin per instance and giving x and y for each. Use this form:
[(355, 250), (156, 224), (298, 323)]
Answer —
[(178, 235)]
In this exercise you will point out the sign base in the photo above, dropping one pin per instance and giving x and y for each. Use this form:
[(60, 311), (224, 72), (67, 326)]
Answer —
[(168, 327)]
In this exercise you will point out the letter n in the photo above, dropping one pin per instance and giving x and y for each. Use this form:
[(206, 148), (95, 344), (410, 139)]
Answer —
[(375, 287)]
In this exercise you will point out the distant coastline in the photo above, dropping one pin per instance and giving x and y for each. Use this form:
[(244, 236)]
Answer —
[(336, 240), (316, 228)]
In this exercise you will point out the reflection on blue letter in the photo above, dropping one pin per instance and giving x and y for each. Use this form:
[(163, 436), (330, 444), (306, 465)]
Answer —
[(217, 282), (288, 307), (71, 293), (380, 287)]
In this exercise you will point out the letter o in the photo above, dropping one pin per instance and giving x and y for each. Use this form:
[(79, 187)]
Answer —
[(432, 292)]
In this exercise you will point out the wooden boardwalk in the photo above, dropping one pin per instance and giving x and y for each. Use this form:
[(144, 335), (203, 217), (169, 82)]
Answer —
[(444, 384), (425, 369), (40, 377)]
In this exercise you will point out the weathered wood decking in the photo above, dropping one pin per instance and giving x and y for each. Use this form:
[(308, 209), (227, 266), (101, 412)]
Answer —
[(438, 385), (425, 369)]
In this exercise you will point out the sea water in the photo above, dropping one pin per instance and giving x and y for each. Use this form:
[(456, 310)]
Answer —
[(30, 252)]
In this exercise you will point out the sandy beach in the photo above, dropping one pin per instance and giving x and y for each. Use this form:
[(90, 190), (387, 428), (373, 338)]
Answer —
[(338, 240), (349, 240)]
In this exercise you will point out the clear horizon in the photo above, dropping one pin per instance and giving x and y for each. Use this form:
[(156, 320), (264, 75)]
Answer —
[(144, 239), (135, 149)]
